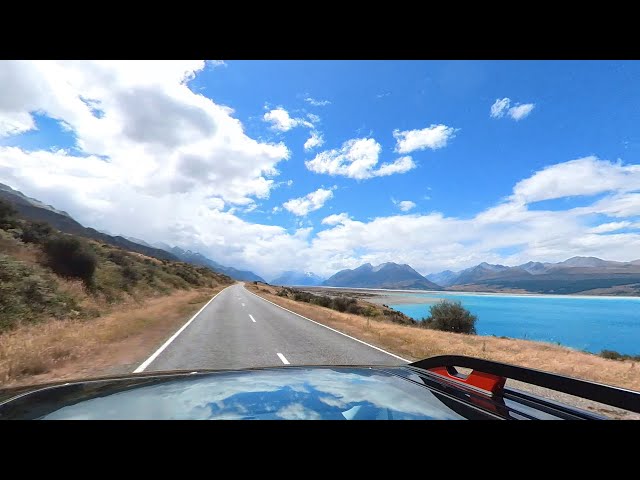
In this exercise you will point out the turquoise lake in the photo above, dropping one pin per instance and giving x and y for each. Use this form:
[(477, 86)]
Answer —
[(591, 323)]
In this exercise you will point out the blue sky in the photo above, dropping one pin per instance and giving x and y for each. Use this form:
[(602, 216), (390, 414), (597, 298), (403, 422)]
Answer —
[(211, 156)]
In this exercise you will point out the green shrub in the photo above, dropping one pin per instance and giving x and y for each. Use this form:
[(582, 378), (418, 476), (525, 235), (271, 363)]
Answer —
[(611, 355), (189, 274), (354, 308), (131, 273), (69, 257), (28, 295), (323, 301), (342, 303), (282, 293), (119, 258), (451, 316), (6, 210), (7, 215), (399, 317), (35, 232), (303, 297), (370, 312)]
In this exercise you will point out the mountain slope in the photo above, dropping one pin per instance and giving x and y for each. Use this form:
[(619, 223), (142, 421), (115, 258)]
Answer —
[(22, 198), (444, 278), (199, 259), (587, 262), (137, 240), (35, 210), (293, 278), (577, 274), (534, 268), (386, 275), (479, 272)]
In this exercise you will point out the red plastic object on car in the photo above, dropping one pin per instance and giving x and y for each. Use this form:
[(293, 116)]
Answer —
[(485, 381)]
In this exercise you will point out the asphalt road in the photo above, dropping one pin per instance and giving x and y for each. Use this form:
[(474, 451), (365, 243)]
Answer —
[(241, 330)]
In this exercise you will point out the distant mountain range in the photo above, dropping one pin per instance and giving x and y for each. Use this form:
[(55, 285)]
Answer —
[(16, 197), (293, 278), (589, 275), (199, 259), (575, 275), (386, 275), (444, 278), (35, 210)]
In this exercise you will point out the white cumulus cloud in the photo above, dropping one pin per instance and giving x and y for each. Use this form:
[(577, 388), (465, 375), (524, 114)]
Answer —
[(357, 158), (521, 111), (584, 176), (315, 140), (433, 137), (502, 107), (609, 227), (401, 165), (217, 63), (317, 103), (13, 123), (335, 219), (404, 205), (310, 202), (280, 119), (147, 130)]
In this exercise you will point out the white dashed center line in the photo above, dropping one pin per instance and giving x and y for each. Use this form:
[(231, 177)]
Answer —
[(252, 319), (284, 360)]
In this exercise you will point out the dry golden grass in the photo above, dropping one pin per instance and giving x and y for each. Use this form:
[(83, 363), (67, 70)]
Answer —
[(27, 253), (72, 348), (145, 257), (414, 343)]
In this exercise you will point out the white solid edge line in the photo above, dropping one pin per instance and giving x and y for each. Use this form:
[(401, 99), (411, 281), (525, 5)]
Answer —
[(252, 319), (284, 360), (155, 354), (332, 329)]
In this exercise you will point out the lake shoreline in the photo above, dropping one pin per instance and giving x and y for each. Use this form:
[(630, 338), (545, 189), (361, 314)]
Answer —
[(462, 293), (591, 323)]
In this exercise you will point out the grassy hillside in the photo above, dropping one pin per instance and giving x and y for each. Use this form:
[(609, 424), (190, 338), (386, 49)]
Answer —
[(46, 274)]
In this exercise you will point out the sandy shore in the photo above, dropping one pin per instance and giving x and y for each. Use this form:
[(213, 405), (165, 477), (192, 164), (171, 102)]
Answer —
[(380, 297), (383, 299)]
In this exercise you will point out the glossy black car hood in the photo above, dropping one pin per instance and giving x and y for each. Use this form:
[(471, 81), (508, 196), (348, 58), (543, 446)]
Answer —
[(280, 393)]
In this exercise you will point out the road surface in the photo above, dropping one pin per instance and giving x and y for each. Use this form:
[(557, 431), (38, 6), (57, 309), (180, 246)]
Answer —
[(241, 330)]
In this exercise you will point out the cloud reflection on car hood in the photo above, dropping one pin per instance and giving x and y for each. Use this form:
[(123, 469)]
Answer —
[(289, 393)]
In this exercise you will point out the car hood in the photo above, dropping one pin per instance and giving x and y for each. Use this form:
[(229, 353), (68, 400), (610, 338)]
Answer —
[(272, 393)]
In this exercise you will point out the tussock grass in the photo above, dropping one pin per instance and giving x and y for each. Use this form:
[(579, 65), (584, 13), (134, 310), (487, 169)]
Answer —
[(33, 350), (342, 303)]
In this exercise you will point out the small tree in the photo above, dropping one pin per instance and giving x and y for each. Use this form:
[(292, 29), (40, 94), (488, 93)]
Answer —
[(69, 257), (451, 316), (36, 232), (7, 214)]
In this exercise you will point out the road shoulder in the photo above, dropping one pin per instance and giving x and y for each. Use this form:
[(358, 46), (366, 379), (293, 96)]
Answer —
[(110, 345)]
